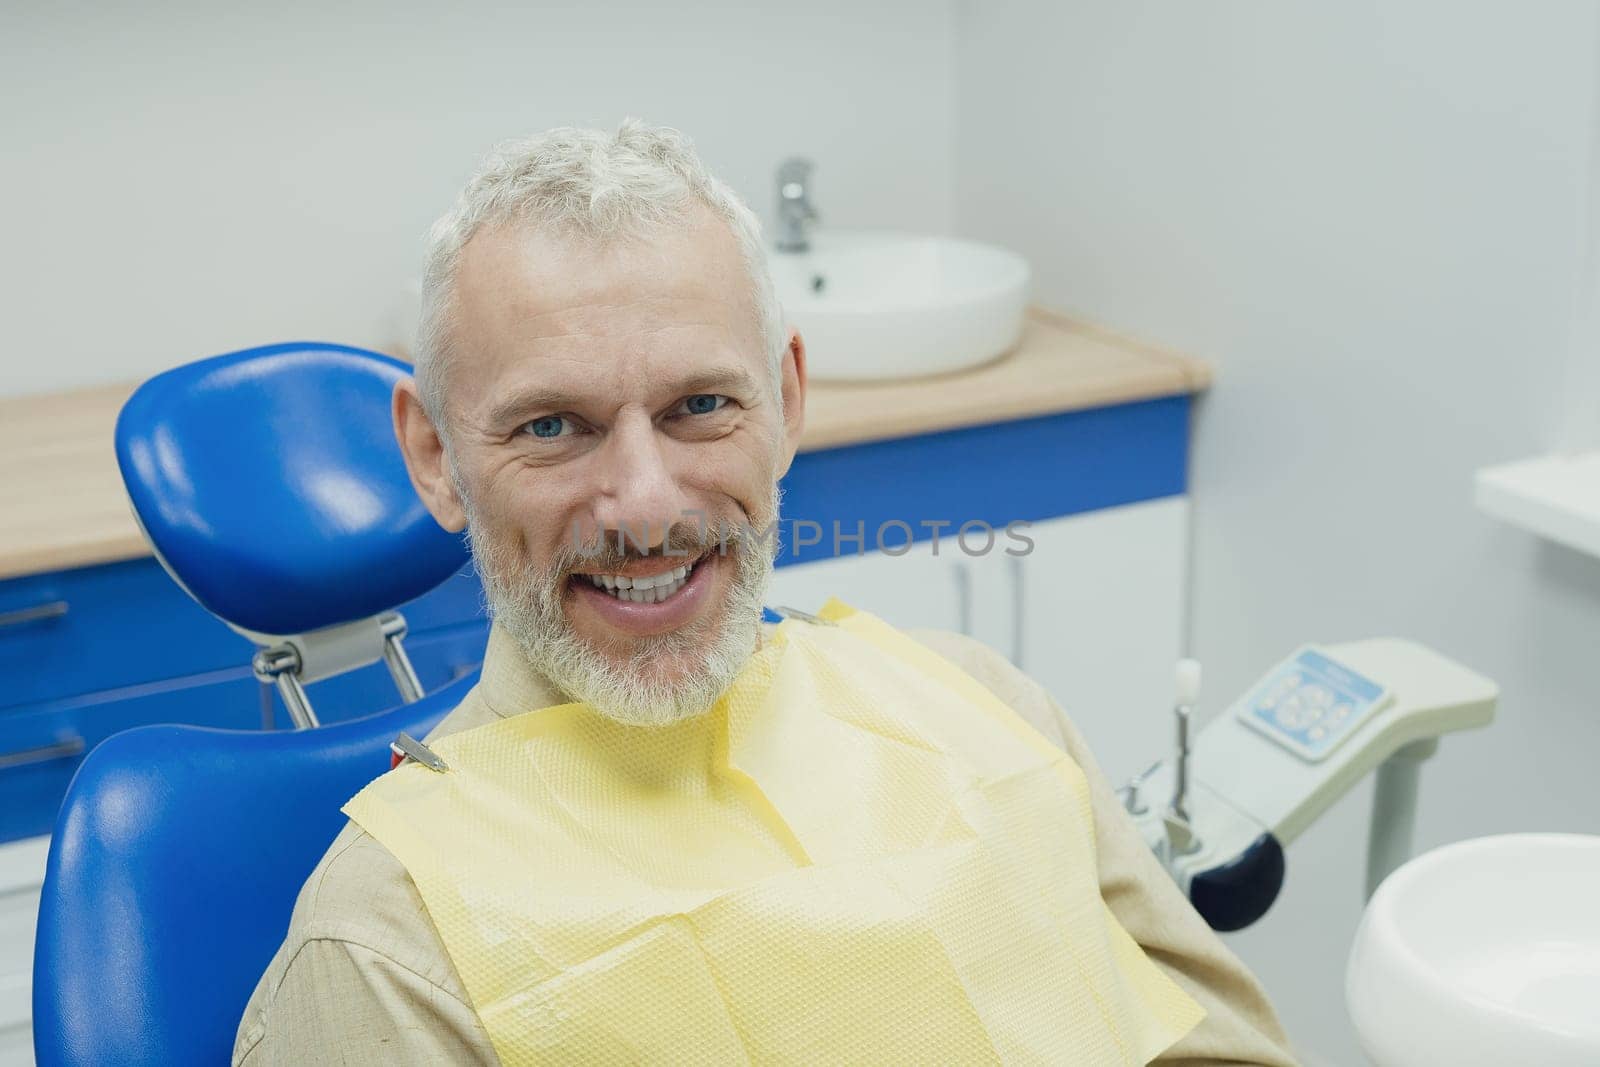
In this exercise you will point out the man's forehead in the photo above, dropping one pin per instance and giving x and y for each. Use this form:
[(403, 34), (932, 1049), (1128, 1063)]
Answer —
[(534, 273), (526, 295)]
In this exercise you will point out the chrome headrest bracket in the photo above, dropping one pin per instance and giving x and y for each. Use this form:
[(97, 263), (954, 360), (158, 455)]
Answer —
[(295, 661)]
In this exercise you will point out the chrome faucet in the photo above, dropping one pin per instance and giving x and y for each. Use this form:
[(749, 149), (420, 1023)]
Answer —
[(795, 211)]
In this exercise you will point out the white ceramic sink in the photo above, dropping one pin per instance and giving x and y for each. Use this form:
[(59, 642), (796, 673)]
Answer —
[(889, 305), (1483, 952)]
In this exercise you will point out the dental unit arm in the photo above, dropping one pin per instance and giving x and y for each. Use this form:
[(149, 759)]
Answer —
[(1220, 811)]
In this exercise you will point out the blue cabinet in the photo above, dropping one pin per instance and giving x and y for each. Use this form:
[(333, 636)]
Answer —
[(120, 624), (95, 651), (105, 627), (1027, 470), (42, 745)]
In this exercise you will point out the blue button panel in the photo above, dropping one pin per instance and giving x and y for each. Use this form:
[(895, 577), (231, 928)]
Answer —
[(1311, 703)]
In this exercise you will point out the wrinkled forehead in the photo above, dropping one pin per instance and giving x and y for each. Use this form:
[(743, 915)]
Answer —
[(528, 302)]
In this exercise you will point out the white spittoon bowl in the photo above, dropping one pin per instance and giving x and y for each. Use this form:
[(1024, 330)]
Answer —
[(1485, 952)]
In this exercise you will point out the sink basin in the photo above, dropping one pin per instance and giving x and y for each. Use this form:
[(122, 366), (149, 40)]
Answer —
[(1483, 952), (887, 305)]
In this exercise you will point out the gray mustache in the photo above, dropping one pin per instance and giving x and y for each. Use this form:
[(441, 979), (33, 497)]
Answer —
[(616, 548)]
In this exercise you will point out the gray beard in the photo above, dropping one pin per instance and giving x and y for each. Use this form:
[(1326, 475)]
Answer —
[(527, 602)]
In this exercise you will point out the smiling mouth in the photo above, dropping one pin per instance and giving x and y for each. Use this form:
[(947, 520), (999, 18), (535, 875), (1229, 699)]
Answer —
[(644, 589)]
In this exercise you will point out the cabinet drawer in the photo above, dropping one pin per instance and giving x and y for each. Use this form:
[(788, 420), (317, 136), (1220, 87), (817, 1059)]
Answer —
[(121, 624), (42, 745), (104, 627), (1027, 469)]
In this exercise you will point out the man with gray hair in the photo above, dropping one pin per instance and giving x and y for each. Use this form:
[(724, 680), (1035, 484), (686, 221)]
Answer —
[(605, 399)]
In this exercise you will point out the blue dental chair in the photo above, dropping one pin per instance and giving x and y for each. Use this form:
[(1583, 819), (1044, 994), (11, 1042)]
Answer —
[(269, 485)]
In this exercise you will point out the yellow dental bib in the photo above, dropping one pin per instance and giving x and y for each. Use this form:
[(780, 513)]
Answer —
[(857, 855)]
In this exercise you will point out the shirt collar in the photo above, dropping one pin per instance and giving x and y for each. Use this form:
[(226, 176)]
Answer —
[(510, 684)]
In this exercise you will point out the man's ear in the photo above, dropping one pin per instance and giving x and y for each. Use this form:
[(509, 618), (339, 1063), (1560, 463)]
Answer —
[(792, 376), (423, 448)]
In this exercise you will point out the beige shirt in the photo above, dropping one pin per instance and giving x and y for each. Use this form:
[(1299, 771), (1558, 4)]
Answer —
[(362, 977)]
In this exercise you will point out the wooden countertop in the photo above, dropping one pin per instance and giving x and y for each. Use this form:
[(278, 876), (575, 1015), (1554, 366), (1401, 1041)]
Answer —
[(64, 505)]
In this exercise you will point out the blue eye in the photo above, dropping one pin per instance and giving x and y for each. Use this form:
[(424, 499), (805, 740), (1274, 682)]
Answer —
[(704, 403), (548, 426)]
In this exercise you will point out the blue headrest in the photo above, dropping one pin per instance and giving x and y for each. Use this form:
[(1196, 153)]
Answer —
[(270, 484), (176, 860)]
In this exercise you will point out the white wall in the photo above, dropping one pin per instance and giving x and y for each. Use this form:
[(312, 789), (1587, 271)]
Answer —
[(180, 179), (1369, 215)]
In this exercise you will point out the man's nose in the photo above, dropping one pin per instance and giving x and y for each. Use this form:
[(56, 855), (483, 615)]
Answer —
[(640, 496)]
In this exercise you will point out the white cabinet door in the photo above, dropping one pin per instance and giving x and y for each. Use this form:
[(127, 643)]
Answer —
[(1102, 613), (917, 589), (16, 1046), (21, 874)]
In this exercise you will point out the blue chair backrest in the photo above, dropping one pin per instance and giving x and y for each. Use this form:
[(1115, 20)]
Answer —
[(177, 857), (271, 487)]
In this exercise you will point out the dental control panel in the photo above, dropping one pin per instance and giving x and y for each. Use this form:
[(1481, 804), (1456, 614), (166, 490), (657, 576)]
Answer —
[(1311, 703), (1219, 810)]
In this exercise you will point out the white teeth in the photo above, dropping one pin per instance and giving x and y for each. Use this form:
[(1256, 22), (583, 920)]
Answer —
[(657, 581), (650, 589)]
